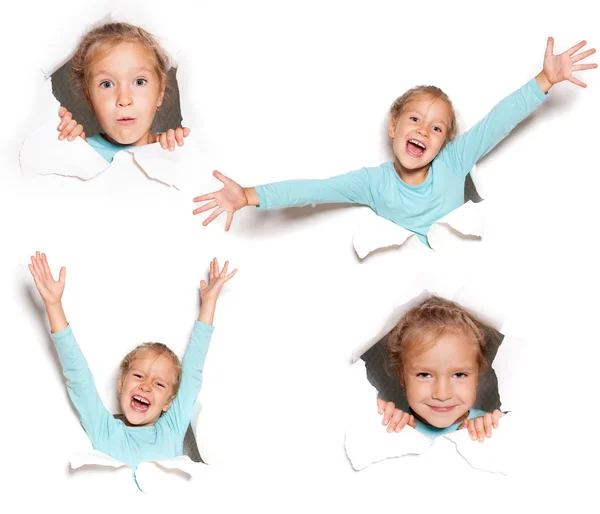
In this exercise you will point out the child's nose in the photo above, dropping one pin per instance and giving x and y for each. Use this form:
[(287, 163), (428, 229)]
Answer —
[(442, 390), (124, 98)]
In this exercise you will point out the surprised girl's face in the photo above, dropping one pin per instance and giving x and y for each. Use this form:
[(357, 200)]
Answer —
[(125, 91)]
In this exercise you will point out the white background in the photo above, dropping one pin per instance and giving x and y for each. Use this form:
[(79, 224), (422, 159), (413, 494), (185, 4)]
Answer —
[(279, 90)]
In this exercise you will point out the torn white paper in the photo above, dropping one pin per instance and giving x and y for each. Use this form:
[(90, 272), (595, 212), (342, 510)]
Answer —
[(494, 454), (43, 154), (375, 232), (367, 441), (150, 475)]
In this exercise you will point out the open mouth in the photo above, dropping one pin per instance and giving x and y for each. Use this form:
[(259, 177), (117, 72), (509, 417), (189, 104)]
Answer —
[(126, 120), (415, 148), (139, 403)]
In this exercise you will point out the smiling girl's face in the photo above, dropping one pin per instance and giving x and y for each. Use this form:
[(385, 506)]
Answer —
[(146, 390), (125, 91), (419, 132), (441, 382)]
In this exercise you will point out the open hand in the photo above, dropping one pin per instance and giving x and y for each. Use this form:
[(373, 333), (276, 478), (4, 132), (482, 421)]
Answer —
[(168, 139), (229, 199), (561, 67), (50, 290), (210, 292), (68, 127), (482, 426), (395, 419)]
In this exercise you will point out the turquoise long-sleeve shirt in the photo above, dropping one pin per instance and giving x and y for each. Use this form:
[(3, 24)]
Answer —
[(134, 445), (415, 208), (433, 432), (104, 147)]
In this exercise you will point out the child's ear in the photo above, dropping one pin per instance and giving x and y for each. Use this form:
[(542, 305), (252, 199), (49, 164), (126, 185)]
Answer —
[(161, 96), (168, 404), (392, 128)]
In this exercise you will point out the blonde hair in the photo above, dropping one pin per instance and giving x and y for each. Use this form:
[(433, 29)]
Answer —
[(103, 38), (423, 325), (159, 349), (400, 104)]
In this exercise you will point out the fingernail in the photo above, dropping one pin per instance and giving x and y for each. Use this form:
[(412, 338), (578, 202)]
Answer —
[(61, 137), (60, 127), (70, 138), (398, 429)]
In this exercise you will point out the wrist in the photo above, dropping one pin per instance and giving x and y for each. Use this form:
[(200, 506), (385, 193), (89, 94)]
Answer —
[(251, 196), (207, 312), (543, 81)]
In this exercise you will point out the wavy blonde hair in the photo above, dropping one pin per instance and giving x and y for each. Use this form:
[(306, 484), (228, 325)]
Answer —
[(101, 39), (423, 325), (399, 105)]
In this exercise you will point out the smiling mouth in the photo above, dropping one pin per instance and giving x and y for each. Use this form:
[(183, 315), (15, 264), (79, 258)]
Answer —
[(441, 410), (415, 148), (139, 403)]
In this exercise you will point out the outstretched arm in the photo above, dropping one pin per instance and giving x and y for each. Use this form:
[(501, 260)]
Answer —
[(353, 187), (96, 420), (468, 148), (179, 414)]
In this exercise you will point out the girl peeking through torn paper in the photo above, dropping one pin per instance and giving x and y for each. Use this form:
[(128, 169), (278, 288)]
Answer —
[(122, 72), (157, 393), (426, 179), (438, 352)]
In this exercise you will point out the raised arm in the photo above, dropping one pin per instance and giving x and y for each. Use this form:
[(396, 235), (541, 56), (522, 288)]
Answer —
[(353, 187), (96, 420), (180, 412), (471, 146)]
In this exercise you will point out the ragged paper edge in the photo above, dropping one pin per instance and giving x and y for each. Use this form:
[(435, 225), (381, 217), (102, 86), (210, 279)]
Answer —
[(367, 440), (143, 473), (43, 154), (375, 232), (494, 454)]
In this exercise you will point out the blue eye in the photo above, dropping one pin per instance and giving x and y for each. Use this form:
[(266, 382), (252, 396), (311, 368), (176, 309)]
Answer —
[(140, 82), (106, 84)]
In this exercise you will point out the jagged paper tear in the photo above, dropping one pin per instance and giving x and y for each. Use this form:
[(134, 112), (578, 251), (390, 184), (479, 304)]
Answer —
[(150, 475), (43, 154), (375, 232)]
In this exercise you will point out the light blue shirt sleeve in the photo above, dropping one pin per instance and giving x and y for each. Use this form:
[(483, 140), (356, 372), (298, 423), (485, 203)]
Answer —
[(96, 420), (462, 153), (353, 187), (180, 413)]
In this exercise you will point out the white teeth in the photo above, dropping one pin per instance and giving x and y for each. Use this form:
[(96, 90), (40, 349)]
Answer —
[(143, 400), (418, 143)]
